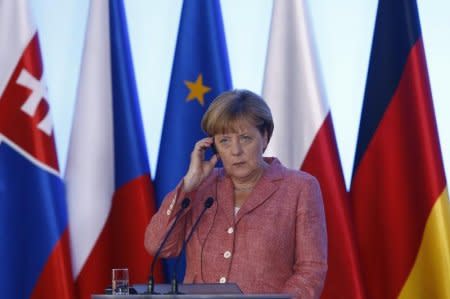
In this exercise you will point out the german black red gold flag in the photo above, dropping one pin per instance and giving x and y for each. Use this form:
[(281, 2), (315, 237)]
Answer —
[(398, 191)]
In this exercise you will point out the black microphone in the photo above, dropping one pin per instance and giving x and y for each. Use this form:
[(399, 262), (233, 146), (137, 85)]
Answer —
[(151, 281), (174, 285)]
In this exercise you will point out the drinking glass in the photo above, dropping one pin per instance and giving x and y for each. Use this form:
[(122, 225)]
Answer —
[(120, 282)]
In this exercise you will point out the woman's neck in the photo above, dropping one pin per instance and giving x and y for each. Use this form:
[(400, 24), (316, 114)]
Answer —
[(247, 184)]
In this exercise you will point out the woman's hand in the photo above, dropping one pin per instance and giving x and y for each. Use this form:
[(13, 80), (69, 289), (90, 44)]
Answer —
[(199, 168)]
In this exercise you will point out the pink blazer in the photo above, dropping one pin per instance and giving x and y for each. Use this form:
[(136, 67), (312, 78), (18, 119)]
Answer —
[(277, 242)]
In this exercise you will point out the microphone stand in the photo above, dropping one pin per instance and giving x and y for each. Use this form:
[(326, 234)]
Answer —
[(174, 283), (151, 281)]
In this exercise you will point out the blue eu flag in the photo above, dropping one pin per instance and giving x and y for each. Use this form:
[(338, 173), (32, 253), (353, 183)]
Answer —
[(200, 73)]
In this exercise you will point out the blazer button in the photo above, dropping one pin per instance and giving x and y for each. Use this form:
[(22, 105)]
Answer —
[(230, 230), (227, 254), (222, 280)]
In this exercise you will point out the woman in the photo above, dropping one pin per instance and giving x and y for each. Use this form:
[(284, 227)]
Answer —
[(266, 229)]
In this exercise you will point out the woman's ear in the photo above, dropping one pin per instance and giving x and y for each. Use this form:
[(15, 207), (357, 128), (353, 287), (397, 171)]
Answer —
[(265, 141)]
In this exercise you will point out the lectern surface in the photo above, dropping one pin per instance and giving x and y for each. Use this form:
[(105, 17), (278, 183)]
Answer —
[(193, 288), (194, 291), (190, 296)]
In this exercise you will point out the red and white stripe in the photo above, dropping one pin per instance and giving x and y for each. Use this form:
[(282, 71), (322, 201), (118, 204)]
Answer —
[(90, 165), (16, 32), (291, 85), (304, 137)]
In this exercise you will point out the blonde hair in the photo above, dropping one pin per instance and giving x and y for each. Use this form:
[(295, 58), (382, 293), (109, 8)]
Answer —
[(231, 107)]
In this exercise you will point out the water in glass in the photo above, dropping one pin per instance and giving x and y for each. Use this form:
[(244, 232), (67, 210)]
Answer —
[(120, 282)]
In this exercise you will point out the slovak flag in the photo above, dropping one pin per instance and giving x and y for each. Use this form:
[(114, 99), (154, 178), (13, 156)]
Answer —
[(34, 240), (109, 188)]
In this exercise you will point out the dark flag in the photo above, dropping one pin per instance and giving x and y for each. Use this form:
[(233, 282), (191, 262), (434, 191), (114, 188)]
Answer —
[(398, 191)]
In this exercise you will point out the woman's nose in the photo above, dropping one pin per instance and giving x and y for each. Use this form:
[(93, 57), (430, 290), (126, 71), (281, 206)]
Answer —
[(236, 148)]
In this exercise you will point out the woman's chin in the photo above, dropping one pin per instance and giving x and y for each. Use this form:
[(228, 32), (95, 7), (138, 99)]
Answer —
[(240, 174)]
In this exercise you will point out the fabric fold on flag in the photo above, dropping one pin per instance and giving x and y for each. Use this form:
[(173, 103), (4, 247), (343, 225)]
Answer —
[(200, 72), (34, 237), (399, 191), (109, 187), (304, 137)]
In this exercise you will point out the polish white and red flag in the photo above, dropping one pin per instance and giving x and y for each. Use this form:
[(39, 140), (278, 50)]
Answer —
[(109, 187), (34, 238), (304, 136)]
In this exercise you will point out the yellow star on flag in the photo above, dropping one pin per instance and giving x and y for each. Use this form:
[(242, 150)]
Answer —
[(197, 90)]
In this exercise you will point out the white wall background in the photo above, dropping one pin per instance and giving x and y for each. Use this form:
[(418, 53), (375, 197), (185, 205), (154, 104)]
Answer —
[(342, 29)]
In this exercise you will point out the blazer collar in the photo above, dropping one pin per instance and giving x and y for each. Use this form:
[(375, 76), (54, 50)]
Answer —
[(264, 188)]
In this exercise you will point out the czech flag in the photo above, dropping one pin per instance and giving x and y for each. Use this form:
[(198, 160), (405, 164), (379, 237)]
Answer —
[(110, 193), (399, 192)]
